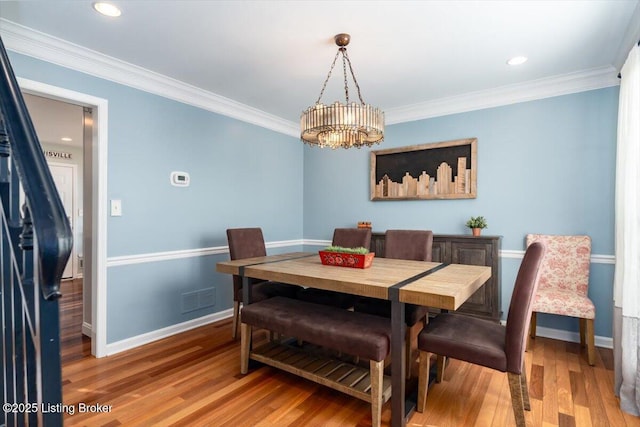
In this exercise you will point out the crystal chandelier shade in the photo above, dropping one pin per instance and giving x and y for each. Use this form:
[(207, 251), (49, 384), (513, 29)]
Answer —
[(342, 125)]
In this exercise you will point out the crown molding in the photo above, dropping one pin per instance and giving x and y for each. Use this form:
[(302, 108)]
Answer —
[(565, 84), (42, 46)]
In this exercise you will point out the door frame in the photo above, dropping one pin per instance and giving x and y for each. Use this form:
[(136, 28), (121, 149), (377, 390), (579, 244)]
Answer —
[(98, 199), (74, 211)]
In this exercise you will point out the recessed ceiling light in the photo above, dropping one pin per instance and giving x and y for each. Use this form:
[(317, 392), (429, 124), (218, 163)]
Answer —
[(66, 139), (517, 60), (107, 9)]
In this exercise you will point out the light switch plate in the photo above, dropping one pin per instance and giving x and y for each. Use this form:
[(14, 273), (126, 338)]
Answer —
[(116, 207)]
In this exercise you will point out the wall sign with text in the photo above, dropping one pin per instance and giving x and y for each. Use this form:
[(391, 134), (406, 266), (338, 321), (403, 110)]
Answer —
[(57, 154)]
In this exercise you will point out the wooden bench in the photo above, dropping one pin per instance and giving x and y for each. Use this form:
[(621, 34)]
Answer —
[(358, 334)]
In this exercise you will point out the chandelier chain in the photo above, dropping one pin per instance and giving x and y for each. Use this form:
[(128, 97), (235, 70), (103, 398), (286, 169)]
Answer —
[(344, 71), (324, 86), (345, 60), (353, 75)]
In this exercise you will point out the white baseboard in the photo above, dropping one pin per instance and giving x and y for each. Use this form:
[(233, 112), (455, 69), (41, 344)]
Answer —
[(146, 338), (133, 342), (86, 329), (137, 341), (559, 334)]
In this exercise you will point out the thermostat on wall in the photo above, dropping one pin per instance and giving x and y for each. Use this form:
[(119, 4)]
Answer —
[(180, 179)]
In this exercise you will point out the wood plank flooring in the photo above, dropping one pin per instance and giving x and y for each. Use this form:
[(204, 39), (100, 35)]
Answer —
[(74, 345), (192, 379)]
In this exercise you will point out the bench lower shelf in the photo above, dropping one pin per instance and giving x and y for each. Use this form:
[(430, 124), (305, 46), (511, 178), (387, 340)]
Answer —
[(329, 371)]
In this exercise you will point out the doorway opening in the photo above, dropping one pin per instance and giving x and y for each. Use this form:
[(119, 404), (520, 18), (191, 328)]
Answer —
[(88, 265), (60, 127)]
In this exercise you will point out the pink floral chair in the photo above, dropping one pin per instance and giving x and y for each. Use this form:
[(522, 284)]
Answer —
[(564, 281)]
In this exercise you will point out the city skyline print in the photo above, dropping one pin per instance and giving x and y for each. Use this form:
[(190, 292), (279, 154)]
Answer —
[(441, 170)]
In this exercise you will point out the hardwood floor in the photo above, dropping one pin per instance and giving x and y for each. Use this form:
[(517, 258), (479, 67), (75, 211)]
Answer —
[(74, 345), (193, 379)]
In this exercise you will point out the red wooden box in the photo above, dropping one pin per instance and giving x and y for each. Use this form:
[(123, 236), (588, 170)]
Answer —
[(341, 259)]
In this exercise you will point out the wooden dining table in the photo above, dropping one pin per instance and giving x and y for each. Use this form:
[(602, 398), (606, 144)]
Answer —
[(432, 284)]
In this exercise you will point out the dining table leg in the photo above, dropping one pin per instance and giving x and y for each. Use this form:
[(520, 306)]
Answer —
[(246, 290), (398, 361), (246, 300)]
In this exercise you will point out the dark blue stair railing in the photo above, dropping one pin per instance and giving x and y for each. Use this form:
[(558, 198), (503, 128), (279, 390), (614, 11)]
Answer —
[(35, 243)]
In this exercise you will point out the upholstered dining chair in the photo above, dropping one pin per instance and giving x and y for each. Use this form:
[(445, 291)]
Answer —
[(352, 237), (249, 243), (411, 245), (484, 342), (564, 283), (347, 238)]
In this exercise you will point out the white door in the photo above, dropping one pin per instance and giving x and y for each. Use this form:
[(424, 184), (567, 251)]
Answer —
[(64, 177)]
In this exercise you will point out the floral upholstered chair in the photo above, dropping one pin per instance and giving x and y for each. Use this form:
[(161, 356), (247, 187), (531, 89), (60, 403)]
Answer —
[(564, 282)]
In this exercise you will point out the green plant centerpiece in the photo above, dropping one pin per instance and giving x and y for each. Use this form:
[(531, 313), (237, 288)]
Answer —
[(361, 250), (476, 224), (346, 257)]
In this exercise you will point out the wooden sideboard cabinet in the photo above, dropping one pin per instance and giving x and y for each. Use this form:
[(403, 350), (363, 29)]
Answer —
[(458, 249)]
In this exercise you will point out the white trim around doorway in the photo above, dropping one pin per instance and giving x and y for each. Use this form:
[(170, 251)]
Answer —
[(99, 201)]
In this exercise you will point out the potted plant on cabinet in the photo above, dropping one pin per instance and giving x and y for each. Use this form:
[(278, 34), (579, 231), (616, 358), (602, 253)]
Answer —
[(476, 224)]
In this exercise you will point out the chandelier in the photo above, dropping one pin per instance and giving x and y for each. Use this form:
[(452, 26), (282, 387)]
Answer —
[(342, 125)]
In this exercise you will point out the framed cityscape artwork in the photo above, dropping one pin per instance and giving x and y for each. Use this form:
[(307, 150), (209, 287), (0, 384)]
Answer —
[(441, 170)]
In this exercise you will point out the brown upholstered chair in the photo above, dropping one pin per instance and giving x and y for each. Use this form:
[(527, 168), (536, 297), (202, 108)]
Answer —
[(352, 237), (249, 243), (484, 342), (347, 238), (402, 244)]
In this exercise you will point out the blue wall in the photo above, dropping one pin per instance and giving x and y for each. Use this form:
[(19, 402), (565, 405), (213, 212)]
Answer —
[(241, 175), (545, 166), (146, 297)]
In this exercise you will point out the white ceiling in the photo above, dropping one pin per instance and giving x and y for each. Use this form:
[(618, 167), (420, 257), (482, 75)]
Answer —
[(55, 120), (274, 55)]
